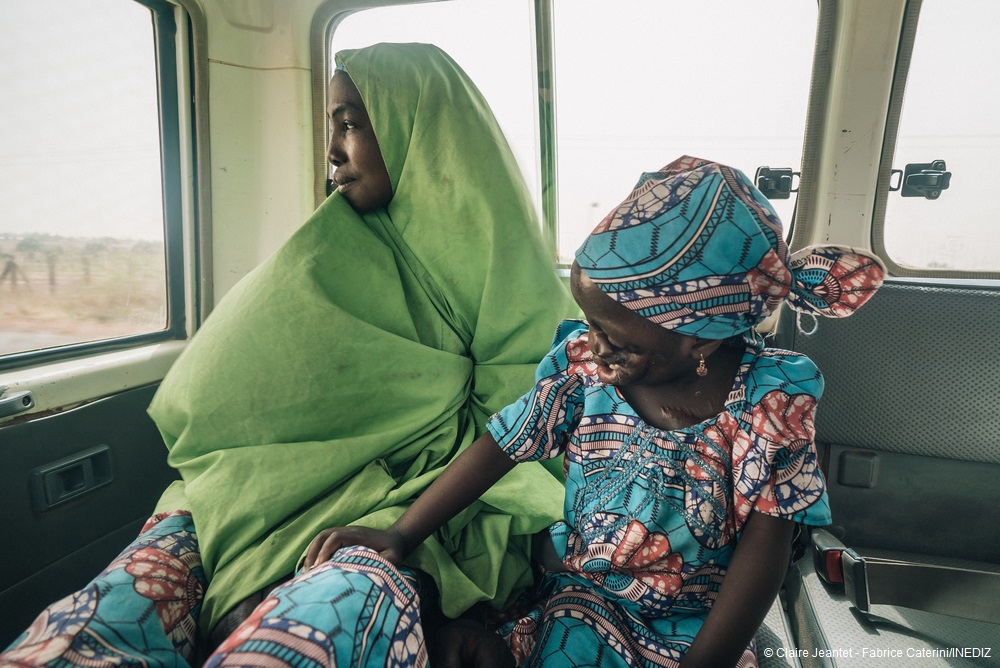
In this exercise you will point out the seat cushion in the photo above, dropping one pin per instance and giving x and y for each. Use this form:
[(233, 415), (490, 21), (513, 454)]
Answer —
[(830, 631), (775, 643)]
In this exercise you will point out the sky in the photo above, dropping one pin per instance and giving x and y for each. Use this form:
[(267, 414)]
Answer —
[(635, 88), (79, 158)]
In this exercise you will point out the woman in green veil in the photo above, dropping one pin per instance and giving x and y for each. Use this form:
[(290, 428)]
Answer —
[(335, 382)]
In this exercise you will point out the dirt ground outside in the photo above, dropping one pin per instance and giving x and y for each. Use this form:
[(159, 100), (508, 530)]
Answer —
[(59, 290)]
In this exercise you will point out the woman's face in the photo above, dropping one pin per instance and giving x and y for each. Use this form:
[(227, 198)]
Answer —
[(627, 348), (360, 174)]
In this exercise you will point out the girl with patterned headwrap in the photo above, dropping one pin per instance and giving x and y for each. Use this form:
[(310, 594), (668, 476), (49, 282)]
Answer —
[(331, 386), (688, 444)]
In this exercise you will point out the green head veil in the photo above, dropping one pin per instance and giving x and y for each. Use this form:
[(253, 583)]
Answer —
[(336, 380)]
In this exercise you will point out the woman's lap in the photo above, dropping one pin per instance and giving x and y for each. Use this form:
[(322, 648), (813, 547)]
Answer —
[(143, 610), (355, 609)]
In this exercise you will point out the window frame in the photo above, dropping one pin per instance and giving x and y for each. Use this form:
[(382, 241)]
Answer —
[(165, 50)]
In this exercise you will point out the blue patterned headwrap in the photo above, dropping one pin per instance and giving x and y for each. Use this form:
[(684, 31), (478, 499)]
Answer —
[(698, 249)]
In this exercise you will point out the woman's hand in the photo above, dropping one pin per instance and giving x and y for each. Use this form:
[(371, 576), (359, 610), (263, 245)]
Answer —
[(387, 543)]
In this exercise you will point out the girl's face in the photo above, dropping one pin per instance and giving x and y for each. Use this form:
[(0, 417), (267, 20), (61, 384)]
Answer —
[(627, 348), (360, 175)]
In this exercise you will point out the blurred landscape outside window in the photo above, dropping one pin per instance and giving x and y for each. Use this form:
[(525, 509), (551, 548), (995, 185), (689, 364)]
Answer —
[(81, 205)]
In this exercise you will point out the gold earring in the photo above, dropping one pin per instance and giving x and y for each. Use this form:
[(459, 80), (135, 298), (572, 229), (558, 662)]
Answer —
[(702, 370)]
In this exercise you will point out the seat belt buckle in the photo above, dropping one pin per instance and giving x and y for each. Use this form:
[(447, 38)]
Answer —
[(827, 552), (956, 591), (856, 580)]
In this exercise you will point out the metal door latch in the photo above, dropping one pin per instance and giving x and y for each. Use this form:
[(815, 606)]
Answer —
[(775, 183), (15, 402), (922, 179)]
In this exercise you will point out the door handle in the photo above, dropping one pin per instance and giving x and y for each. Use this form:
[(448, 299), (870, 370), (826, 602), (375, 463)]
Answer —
[(68, 478), (16, 402)]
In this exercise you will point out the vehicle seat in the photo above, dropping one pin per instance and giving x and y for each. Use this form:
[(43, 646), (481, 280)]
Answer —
[(909, 440)]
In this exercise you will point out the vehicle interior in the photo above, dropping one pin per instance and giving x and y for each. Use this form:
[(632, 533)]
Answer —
[(189, 137)]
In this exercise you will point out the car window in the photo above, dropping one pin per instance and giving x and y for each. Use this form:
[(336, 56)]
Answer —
[(948, 124), (81, 207), (633, 88), (641, 85)]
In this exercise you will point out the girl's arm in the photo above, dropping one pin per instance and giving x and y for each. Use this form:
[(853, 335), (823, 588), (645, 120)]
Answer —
[(463, 481), (748, 590)]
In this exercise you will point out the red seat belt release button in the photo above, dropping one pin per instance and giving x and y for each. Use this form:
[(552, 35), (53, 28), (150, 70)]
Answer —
[(834, 567)]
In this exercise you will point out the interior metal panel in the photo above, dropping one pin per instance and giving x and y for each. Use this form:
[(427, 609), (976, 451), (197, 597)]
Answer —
[(911, 380), (931, 505), (775, 643)]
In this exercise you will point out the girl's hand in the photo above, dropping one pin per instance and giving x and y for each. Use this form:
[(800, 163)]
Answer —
[(751, 584), (387, 543), (462, 482)]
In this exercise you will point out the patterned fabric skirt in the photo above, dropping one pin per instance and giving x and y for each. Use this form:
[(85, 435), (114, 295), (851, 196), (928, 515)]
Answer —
[(574, 625), (356, 609)]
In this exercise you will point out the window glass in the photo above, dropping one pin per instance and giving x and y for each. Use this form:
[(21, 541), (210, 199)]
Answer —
[(641, 85), (490, 39), (81, 213), (949, 113)]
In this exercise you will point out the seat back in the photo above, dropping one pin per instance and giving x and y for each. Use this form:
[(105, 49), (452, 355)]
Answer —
[(909, 424)]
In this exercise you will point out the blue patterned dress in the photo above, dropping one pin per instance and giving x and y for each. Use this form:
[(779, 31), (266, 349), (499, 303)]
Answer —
[(652, 517), (356, 609)]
